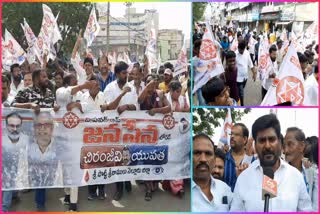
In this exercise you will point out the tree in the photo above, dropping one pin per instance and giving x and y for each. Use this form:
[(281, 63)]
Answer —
[(205, 120), (198, 9), (72, 17)]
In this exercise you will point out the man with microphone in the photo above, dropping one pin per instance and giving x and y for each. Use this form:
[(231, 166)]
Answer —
[(270, 184)]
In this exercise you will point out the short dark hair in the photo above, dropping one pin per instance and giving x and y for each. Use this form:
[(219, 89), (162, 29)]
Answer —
[(61, 73), (302, 58), (272, 49), (13, 66), (93, 77), (242, 45), (299, 135), (5, 80), (245, 131), (36, 74), (120, 66), (230, 54), (168, 65), (174, 85), (212, 89), (13, 114), (89, 60), (203, 135), (101, 58), (279, 42), (67, 79), (265, 122), (219, 153)]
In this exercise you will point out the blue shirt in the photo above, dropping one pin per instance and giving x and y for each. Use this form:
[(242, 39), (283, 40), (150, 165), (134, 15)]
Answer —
[(103, 84), (221, 201), (230, 175), (225, 45)]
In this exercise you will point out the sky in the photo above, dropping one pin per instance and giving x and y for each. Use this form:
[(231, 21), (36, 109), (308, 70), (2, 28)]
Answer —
[(172, 15), (304, 118)]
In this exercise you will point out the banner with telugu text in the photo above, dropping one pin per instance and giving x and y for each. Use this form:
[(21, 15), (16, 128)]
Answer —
[(65, 149)]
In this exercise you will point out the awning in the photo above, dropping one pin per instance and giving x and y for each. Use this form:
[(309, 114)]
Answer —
[(283, 23), (270, 16)]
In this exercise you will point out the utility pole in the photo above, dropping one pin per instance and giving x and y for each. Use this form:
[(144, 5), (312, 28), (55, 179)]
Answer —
[(128, 4), (108, 26)]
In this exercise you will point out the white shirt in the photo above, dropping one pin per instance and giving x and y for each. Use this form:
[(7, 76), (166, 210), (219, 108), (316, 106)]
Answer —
[(64, 97), (14, 90), (311, 174), (90, 104), (219, 190), (81, 73), (8, 101), (292, 194), (15, 167), (243, 63), (142, 86), (112, 91), (272, 68), (182, 102), (311, 91)]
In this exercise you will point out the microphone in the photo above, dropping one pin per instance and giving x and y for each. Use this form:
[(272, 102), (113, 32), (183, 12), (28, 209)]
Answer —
[(269, 187)]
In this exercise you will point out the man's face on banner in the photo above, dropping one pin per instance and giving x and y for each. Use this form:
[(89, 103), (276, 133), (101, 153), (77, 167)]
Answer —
[(43, 129), (14, 128)]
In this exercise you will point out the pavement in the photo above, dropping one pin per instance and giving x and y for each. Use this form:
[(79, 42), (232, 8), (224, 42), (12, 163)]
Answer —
[(162, 201), (252, 92)]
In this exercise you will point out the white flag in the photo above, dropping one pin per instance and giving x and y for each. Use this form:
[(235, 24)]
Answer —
[(289, 86), (209, 64), (92, 28), (32, 51), (264, 60), (311, 33), (226, 129), (151, 50), (12, 50), (182, 62)]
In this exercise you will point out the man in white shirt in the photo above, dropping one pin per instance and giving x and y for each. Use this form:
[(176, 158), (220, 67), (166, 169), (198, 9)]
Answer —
[(243, 63), (209, 194), (6, 97), (311, 89), (16, 82), (119, 94), (271, 71), (291, 196), (137, 84), (294, 147)]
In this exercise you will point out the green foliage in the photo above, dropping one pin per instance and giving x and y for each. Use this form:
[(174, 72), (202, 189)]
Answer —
[(205, 120), (198, 9), (73, 17)]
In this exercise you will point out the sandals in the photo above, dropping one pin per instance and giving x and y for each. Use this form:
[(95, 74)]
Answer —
[(148, 196)]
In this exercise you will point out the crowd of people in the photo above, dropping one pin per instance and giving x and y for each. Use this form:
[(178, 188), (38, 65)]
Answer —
[(239, 53), (83, 87), (231, 178)]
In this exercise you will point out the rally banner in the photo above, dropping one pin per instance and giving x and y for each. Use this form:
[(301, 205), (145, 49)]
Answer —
[(151, 49), (65, 149)]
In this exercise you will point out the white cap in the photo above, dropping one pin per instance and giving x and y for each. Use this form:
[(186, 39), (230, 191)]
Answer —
[(168, 71)]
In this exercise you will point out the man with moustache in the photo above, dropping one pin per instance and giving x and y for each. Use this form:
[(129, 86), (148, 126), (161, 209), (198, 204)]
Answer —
[(292, 195), (238, 158), (209, 194), (294, 147), (17, 80), (13, 158), (271, 72), (218, 169), (105, 76), (36, 97)]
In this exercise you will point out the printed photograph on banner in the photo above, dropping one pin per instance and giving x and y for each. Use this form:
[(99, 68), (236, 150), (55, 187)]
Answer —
[(251, 159), (255, 53), (96, 107)]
